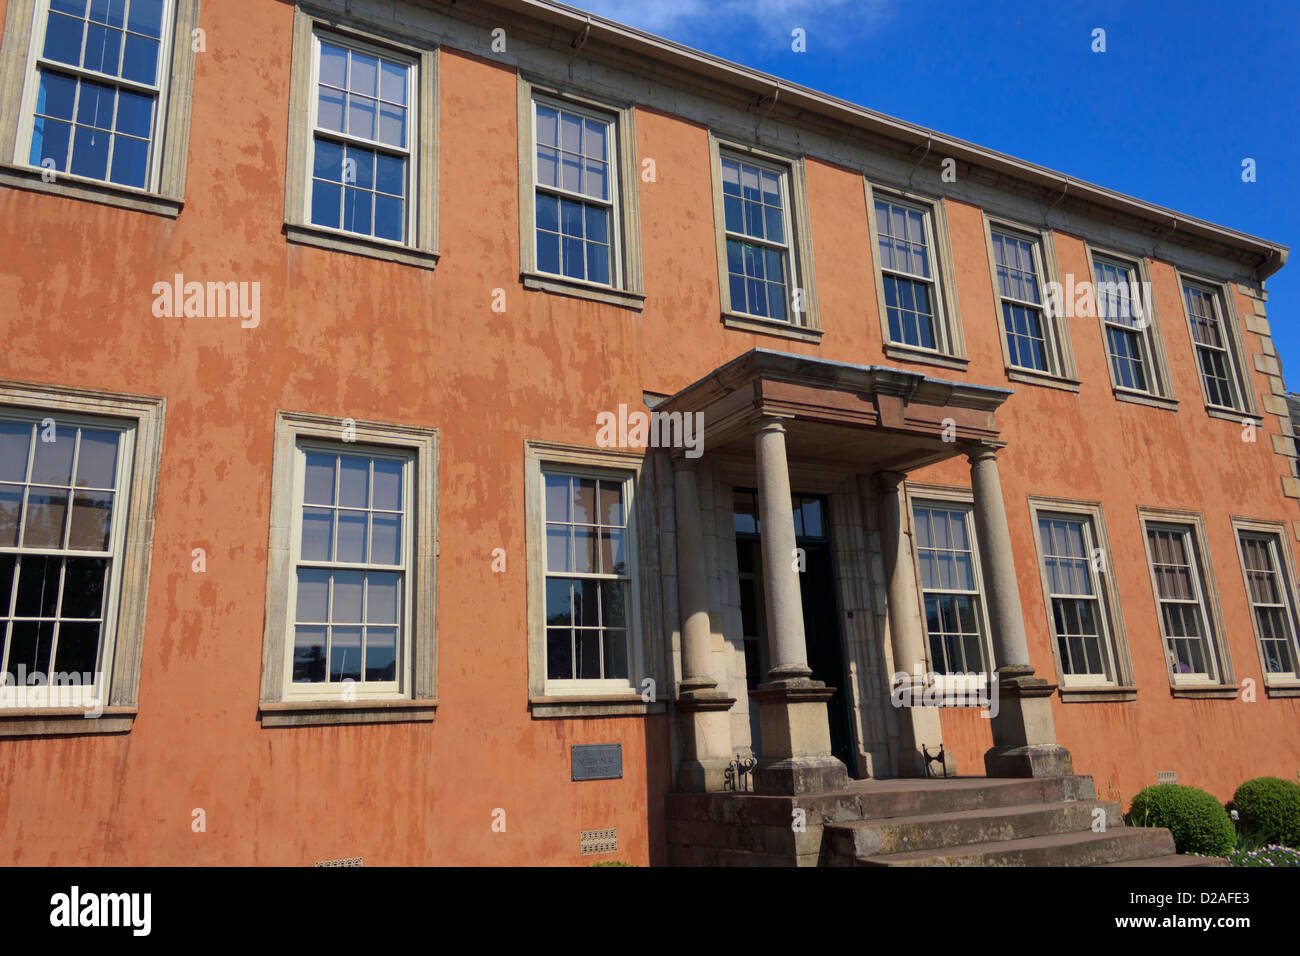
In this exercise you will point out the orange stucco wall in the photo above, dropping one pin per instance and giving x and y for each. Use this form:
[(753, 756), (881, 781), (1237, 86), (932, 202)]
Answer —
[(355, 337)]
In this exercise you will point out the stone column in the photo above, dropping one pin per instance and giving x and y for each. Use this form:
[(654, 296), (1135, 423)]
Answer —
[(1024, 735), (791, 705), (918, 725), (706, 734)]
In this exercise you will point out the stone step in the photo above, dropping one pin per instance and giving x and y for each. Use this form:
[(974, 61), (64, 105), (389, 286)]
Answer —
[(879, 799), (1177, 859), (988, 825), (1057, 849)]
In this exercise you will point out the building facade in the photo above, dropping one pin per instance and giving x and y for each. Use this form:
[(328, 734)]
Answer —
[(399, 395)]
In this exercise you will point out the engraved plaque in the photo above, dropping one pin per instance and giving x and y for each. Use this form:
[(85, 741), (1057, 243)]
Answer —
[(597, 761)]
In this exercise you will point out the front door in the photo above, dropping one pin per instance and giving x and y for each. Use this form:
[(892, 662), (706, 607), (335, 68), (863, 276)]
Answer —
[(820, 610)]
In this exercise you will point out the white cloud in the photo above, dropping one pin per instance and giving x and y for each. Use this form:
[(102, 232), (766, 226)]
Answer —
[(697, 22)]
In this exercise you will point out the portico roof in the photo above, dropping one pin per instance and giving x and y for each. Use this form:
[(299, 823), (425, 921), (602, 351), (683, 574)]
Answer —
[(875, 416)]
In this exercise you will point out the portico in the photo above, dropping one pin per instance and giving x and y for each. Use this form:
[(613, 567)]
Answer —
[(768, 415)]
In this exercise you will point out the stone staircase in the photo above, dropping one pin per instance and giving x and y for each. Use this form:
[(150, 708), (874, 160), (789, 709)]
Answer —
[(965, 821)]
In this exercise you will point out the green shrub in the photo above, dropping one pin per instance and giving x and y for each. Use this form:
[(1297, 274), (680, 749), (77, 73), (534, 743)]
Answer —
[(1198, 822), (1268, 809)]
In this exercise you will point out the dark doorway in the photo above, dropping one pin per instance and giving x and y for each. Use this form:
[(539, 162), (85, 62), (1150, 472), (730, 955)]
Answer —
[(820, 608)]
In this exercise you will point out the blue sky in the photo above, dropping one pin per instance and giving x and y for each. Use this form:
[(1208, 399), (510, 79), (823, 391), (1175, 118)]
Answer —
[(1185, 91)]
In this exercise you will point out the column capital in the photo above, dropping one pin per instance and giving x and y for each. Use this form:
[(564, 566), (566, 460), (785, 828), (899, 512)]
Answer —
[(982, 452), (888, 481), (769, 423)]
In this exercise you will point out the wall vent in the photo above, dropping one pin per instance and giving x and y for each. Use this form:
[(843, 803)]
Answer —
[(1166, 776), (350, 861), (598, 841)]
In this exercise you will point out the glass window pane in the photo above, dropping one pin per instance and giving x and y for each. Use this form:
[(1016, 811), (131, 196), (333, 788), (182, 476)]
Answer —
[(346, 603), (345, 653), (313, 595), (392, 83), (63, 39), (319, 479), (309, 655), (83, 587), (352, 536), (317, 534), (381, 653), (47, 511), (354, 482), (11, 507), (78, 650), (145, 16), (15, 442), (381, 597), (91, 517), (387, 485), (140, 60), (38, 586), (385, 539)]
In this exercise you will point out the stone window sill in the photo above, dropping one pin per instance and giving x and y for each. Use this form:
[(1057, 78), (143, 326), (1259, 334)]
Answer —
[(561, 285), (90, 190), (1204, 691), (1045, 379), (1097, 695), (630, 705), (311, 713), (338, 241), (1236, 417), (1282, 690), (64, 721), (1145, 398), (904, 353), (785, 330)]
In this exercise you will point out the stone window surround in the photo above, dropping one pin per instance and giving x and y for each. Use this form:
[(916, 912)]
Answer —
[(1124, 686), (926, 494), (422, 249), (1065, 374), (1163, 395), (147, 414), (1236, 347), (420, 701), (802, 266), (1226, 687), (173, 137), (948, 317), (630, 293), (1273, 686), (642, 653)]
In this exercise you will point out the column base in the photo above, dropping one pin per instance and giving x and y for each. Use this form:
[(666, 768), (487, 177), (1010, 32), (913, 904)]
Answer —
[(791, 776), (1024, 734), (706, 740), (1031, 760), (796, 739)]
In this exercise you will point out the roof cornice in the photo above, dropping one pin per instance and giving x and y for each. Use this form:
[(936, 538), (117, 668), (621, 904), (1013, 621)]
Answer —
[(588, 28)]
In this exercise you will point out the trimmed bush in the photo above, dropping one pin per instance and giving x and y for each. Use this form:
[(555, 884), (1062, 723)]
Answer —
[(1198, 822), (1269, 810)]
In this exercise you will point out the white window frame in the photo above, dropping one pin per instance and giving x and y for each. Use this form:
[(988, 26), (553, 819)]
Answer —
[(787, 249), (362, 689), (411, 223), (1191, 528), (950, 341), (119, 685), (614, 165), (951, 499), (283, 704), (578, 686), (1116, 663), (36, 63), (1220, 303), (1283, 567), (1061, 371), (40, 696)]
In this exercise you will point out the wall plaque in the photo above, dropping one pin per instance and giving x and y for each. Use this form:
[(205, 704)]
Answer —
[(597, 761)]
